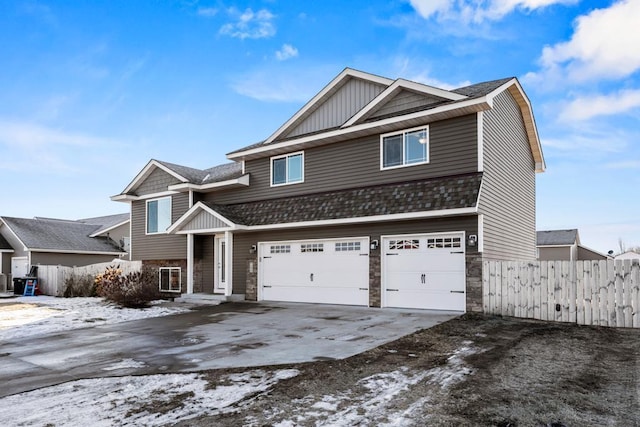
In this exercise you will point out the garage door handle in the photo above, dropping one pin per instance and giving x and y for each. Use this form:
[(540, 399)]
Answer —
[(311, 277), (423, 278), (458, 252), (265, 257), (392, 290), (266, 286), (364, 289), (457, 292), (392, 254)]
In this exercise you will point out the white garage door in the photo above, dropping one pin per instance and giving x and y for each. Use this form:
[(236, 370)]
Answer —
[(315, 271), (424, 271)]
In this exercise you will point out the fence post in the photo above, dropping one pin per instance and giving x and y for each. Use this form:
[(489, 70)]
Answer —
[(581, 284), (635, 293)]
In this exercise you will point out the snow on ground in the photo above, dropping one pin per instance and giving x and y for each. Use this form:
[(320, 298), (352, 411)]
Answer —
[(30, 316), (152, 400)]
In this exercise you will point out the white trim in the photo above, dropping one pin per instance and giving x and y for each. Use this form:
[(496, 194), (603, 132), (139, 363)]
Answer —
[(129, 198), (477, 104), (395, 88), (480, 242), (325, 92), (189, 214), (190, 263), (160, 279), (190, 198), (6, 250), (480, 122), (243, 180), (228, 245), (285, 156), (146, 216), (404, 132), (555, 246), (130, 231), (146, 171), (383, 259), (24, 247), (106, 230), (243, 166), (71, 251)]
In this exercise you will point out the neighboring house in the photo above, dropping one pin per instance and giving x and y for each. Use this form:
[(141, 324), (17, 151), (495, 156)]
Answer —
[(46, 241), (378, 192), (627, 255), (564, 245)]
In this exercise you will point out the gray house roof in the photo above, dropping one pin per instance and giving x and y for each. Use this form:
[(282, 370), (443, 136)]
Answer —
[(59, 235), (415, 196), (557, 237), (106, 222), (206, 176)]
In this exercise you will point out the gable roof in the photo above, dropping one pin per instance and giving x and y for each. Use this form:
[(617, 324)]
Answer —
[(186, 175), (106, 223), (442, 104), (445, 196), (55, 235), (557, 237)]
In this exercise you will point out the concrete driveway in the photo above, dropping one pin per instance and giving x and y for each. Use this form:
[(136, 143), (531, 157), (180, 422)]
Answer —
[(210, 337)]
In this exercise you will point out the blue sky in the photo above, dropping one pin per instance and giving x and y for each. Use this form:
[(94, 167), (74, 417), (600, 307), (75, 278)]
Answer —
[(91, 90)]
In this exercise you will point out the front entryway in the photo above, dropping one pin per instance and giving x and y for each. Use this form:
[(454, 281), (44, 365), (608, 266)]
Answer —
[(220, 265), (330, 271), (424, 271)]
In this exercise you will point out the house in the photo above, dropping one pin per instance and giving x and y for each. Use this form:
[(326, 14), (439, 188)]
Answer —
[(564, 245), (377, 192), (47, 241), (628, 255)]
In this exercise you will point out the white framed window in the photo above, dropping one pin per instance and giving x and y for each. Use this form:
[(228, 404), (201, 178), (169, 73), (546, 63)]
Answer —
[(158, 215), (170, 279), (347, 246), (311, 247), (280, 249), (405, 148), (287, 169), (404, 244), (444, 242)]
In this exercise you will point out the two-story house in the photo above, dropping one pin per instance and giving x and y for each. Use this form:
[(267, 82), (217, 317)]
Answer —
[(377, 192)]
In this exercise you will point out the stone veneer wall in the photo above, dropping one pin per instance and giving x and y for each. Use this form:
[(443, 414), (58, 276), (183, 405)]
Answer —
[(182, 263), (375, 279), (474, 281), (251, 290)]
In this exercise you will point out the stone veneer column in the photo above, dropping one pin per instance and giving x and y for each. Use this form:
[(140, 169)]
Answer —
[(474, 282), (251, 290), (375, 283)]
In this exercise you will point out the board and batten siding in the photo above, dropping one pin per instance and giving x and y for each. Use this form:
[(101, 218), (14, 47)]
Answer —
[(356, 163), (507, 199), (204, 221), (157, 246), (242, 242), (340, 107), (157, 182), (403, 101)]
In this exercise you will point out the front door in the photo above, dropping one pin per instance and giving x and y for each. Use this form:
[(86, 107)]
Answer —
[(220, 265)]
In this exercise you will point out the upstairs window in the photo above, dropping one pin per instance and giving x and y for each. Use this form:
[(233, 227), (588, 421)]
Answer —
[(158, 215), (405, 148), (287, 169)]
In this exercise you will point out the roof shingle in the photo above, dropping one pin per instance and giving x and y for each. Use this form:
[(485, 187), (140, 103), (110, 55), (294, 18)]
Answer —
[(556, 237)]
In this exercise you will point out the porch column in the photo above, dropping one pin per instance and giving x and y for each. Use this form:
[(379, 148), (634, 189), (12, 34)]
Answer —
[(189, 263), (228, 236)]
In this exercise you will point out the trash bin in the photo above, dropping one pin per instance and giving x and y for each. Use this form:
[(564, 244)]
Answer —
[(18, 285)]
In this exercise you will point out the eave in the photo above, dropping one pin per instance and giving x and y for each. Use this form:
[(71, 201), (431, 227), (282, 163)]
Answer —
[(106, 230), (242, 181)]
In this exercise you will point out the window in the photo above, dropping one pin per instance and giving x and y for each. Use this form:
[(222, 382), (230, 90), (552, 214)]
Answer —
[(158, 215), (443, 242), (311, 247), (347, 246), (404, 244), (170, 279), (280, 249), (406, 148), (287, 169)]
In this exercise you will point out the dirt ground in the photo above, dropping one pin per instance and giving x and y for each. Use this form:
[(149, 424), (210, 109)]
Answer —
[(471, 371)]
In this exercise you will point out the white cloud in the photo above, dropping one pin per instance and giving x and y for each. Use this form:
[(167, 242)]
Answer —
[(250, 24), (207, 12), (420, 72), (604, 45), (286, 52), (477, 11), (587, 107)]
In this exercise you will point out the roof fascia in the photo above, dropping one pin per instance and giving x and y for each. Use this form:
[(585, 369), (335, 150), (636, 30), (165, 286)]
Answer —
[(515, 89), (4, 223), (6, 250), (129, 197), (594, 251), (176, 227), (63, 251), (568, 245), (326, 91), (478, 104), (396, 87), (146, 171), (243, 180), (106, 230)]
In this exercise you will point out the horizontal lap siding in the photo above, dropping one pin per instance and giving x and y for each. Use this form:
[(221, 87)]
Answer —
[(356, 163), (158, 246), (69, 260), (508, 189), (242, 242)]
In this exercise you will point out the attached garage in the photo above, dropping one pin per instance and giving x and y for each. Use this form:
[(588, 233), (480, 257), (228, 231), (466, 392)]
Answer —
[(329, 271), (424, 271)]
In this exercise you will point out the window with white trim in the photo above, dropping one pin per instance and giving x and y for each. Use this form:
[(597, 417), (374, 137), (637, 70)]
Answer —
[(444, 242), (404, 244), (409, 147), (170, 279), (280, 249), (311, 247), (158, 215), (347, 246), (287, 169)]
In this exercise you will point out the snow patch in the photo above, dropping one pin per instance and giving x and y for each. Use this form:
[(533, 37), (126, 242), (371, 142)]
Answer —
[(125, 364)]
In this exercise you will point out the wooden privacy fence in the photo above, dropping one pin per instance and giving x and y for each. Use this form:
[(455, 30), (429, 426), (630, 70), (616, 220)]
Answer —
[(51, 278), (605, 293)]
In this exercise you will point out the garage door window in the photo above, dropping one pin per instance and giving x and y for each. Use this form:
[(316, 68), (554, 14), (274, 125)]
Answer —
[(347, 246), (443, 242), (405, 244), (312, 247), (280, 249)]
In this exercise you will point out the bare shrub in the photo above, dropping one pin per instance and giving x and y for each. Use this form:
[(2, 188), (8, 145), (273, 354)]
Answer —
[(134, 290), (79, 285)]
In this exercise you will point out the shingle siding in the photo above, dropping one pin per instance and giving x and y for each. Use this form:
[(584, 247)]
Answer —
[(356, 163), (157, 246), (507, 199)]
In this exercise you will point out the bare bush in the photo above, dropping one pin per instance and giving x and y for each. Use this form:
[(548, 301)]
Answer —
[(134, 290), (79, 285)]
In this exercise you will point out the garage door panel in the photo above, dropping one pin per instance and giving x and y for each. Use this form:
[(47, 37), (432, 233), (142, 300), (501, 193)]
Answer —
[(319, 295), (434, 300)]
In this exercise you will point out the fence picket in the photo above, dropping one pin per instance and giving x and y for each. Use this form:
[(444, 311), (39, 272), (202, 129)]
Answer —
[(536, 291), (635, 294)]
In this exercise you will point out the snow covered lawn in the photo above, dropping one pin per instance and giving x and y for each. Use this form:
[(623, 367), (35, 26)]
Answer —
[(30, 316)]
